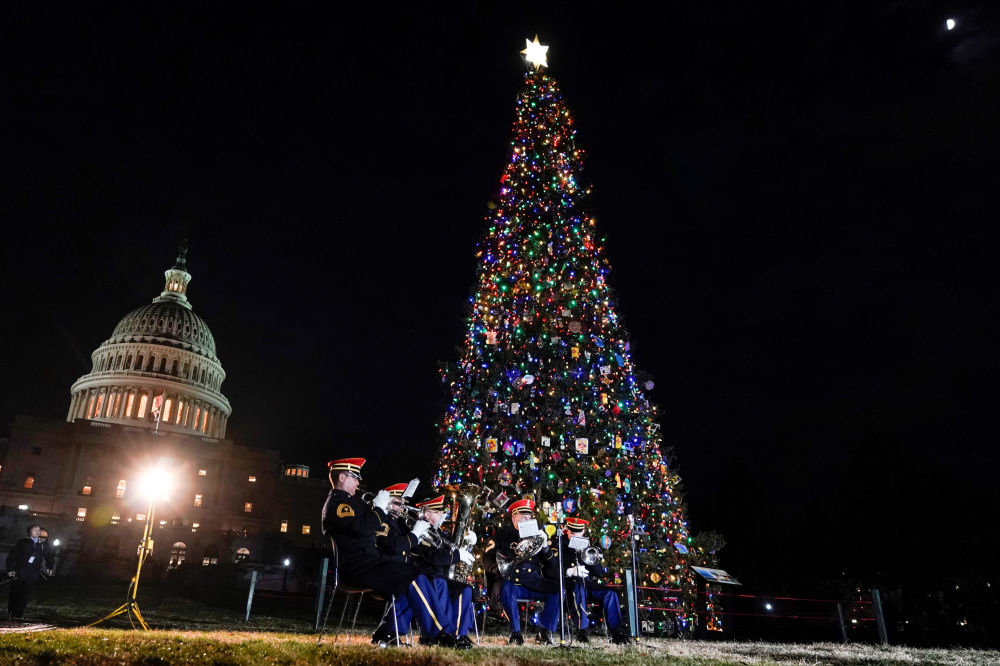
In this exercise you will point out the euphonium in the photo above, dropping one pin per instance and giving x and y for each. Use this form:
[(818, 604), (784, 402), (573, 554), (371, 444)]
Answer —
[(525, 549), (465, 497), (591, 556)]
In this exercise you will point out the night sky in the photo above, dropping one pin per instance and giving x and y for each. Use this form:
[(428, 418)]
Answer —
[(799, 208)]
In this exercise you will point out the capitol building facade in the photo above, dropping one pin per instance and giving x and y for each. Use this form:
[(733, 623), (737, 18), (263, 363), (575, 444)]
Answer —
[(153, 399)]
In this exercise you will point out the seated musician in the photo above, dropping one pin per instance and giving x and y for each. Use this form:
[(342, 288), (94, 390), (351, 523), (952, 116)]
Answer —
[(524, 580), (438, 560), (353, 525), (582, 588)]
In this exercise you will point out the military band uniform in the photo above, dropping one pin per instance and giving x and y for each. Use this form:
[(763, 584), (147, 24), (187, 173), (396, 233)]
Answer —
[(395, 541), (527, 581), (584, 590), (435, 562), (353, 526)]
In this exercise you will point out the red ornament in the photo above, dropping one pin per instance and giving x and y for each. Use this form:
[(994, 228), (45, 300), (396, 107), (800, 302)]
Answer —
[(616, 410)]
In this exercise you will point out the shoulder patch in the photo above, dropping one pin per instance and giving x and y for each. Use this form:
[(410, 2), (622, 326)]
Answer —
[(345, 510)]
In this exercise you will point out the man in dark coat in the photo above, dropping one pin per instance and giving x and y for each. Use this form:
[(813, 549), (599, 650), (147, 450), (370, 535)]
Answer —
[(353, 525), (26, 562), (526, 580)]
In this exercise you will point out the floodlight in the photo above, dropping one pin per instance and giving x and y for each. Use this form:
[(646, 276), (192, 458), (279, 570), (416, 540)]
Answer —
[(55, 543), (287, 561), (950, 24), (768, 606), (156, 483)]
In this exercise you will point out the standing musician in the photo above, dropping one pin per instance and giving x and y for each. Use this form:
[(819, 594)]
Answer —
[(584, 589), (437, 561), (353, 526), (525, 580)]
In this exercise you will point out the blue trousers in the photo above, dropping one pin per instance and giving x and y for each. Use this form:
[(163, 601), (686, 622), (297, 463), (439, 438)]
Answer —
[(607, 598), (462, 609), (433, 610), (511, 592)]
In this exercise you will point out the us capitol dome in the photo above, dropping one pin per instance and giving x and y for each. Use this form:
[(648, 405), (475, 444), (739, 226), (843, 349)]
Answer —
[(160, 358)]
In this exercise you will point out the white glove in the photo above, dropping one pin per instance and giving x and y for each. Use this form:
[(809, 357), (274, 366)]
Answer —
[(471, 538), (466, 557), (577, 572), (420, 528), (382, 500)]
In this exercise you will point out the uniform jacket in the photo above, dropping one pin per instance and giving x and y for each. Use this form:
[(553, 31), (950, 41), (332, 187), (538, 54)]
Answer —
[(529, 573), (354, 526)]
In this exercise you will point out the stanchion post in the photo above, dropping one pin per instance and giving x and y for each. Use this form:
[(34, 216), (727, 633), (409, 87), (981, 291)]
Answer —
[(840, 619), (633, 620), (253, 584), (883, 636), (324, 567)]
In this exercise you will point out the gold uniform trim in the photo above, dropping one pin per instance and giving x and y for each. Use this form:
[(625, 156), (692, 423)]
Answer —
[(429, 609), (345, 510)]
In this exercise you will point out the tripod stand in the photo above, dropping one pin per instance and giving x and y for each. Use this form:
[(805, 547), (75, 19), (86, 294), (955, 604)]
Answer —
[(131, 606)]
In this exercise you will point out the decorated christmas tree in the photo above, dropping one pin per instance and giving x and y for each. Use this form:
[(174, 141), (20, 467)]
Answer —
[(545, 401)]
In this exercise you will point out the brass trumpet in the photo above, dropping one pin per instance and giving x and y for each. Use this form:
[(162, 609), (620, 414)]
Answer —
[(398, 508)]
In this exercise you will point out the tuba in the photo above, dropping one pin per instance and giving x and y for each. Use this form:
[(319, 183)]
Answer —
[(464, 498)]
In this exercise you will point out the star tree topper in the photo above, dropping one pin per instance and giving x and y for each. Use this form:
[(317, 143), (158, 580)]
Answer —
[(534, 53)]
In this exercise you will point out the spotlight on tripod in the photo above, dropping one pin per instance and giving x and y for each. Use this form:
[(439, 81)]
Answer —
[(155, 485)]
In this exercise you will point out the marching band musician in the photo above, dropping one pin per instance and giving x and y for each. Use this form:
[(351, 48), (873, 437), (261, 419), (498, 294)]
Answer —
[(438, 561), (353, 526), (526, 580), (583, 589)]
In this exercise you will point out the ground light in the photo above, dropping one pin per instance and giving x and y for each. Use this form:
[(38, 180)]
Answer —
[(155, 485)]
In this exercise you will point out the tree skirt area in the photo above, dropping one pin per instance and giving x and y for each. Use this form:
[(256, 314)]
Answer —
[(117, 646)]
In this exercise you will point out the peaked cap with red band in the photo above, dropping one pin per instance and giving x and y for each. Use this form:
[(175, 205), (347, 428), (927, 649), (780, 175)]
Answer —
[(576, 525), (397, 489), (525, 505), (350, 465), (434, 504)]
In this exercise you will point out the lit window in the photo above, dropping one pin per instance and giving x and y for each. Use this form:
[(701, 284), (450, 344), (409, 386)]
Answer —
[(180, 406), (242, 554), (306, 529), (140, 516), (120, 490), (116, 518), (128, 405), (162, 523), (247, 507), (197, 500), (284, 526), (197, 417), (166, 409), (204, 420), (86, 490), (143, 399), (252, 479), (195, 526), (29, 482), (202, 472), (22, 507), (81, 514)]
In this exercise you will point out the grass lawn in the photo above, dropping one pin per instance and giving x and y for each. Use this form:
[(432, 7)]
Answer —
[(209, 629), (115, 646)]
